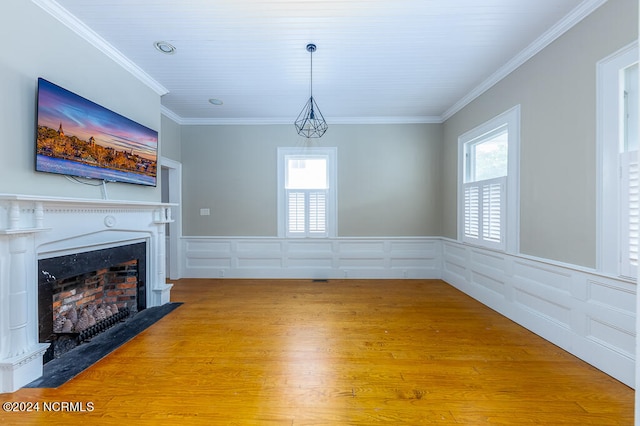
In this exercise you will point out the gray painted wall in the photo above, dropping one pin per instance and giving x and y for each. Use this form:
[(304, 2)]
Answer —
[(37, 45), (388, 178), (557, 91), (170, 138)]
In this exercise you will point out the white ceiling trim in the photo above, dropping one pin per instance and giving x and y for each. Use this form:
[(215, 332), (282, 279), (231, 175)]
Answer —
[(288, 120), (385, 120), (578, 14), (170, 114), (77, 26)]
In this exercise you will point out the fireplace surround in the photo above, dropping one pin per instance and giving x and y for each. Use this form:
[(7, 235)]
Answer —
[(34, 228)]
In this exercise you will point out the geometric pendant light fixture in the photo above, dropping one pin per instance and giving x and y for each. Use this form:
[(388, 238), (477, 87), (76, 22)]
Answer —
[(310, 122)]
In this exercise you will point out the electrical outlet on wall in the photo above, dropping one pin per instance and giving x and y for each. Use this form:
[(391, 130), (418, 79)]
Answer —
[(205, 212)]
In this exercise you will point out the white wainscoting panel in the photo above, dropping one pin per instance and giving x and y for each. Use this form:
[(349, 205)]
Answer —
[(588, 314), (213, 257)]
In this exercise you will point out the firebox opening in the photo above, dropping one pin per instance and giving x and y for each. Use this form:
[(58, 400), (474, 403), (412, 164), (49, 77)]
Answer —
[(84, 294)]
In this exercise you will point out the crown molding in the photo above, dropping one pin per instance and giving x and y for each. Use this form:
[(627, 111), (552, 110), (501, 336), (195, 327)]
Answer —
[(583, 10), (288, 120), (386, 120), (248, 121), (75, 25), (170, 114)]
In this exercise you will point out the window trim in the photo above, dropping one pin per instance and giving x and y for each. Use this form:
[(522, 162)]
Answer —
[(331, 199), (511, 219), (608, 220)]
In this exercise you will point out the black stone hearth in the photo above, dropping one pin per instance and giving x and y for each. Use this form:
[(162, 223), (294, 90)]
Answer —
[(60, 370)]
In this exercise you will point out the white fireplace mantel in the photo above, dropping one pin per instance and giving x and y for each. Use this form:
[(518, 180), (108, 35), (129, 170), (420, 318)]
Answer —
[(35, 227)]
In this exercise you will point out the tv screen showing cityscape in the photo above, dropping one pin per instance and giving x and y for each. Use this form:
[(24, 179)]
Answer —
[(80, 138)]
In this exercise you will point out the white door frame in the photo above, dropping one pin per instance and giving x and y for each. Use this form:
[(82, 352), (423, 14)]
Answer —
[(175, 227)]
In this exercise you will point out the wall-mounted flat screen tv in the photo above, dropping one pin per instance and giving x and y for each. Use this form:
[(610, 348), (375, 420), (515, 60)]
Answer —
[(80, 138)]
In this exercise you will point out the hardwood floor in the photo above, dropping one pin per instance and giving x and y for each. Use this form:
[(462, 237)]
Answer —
[(343, 352)]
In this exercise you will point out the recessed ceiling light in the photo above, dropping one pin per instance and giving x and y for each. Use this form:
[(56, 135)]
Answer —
[(164, 47), (214, 101)]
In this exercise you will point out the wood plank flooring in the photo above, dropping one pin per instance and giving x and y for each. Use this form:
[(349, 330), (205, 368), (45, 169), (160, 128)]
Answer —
[(343, 352)]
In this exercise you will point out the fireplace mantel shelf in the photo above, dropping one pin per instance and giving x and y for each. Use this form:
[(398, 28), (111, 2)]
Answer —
[(23, 231), (82, 201)]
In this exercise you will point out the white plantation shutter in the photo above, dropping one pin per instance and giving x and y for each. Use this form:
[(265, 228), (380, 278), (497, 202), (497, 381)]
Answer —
[(492, 206), (295, 212), (484, 206), (630, 194), (318, 212), (472, 211), (306, 213)]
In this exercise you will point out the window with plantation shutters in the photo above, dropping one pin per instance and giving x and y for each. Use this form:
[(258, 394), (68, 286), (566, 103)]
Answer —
[(618, 141), (307, 198), (488, 181)]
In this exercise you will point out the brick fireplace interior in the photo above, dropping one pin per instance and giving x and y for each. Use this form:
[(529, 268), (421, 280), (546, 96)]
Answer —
[(82, 294)]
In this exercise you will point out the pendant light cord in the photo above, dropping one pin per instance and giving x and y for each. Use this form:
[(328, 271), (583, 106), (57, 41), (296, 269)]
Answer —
[(311, 79)]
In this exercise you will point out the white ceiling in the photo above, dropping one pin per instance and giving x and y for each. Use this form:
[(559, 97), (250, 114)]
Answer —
[(377, 60)]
